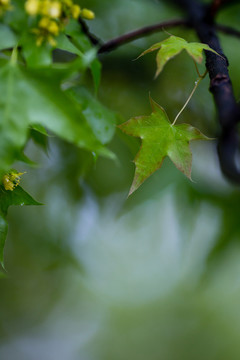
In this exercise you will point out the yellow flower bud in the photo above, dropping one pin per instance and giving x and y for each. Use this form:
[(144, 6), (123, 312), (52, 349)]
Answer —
[(76, 10), (44, 7), (67, 2), (44, 22), (51, 41), (54, 9), (53, 28), (32, 7), (87, 14)]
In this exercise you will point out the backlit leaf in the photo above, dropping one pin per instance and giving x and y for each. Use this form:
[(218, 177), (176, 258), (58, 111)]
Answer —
[(172, 46), (160, 139)]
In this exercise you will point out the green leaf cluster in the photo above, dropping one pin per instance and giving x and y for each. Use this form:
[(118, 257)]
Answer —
[(46, 90)]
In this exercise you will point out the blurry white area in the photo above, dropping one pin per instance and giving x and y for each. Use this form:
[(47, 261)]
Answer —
[(206, 168), (130, 261), (149, 255), (142, 255)]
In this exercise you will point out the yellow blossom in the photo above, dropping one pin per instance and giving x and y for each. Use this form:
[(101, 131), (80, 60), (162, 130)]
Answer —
[(44, 6), (76, 10), (44, 22), (11, 180), (87, 14), (50, 26), (67, 2), (32, 7), (52, 17), (53, 28), (51, 8), (46, 31)]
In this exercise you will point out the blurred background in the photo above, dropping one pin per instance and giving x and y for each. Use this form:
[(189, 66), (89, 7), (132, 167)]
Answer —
[(93, 274)]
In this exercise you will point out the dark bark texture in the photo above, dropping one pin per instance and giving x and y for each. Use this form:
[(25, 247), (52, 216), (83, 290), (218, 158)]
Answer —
[(201, 18)]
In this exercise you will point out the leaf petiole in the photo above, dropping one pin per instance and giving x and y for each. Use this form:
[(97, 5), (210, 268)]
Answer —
[(197, 82), (205, 73)]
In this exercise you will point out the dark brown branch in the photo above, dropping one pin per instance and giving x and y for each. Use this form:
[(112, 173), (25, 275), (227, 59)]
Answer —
[(133, 35), (93, 39), (148, 30), (220, 86), (228, 30)]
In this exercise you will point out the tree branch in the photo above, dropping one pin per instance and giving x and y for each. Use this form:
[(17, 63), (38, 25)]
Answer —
[(133, 35), (148, 30), (220, 85), (93, 39), (228, 30)]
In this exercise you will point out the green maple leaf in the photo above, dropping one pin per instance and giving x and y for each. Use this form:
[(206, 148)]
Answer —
[(160, 139), (172, 46)]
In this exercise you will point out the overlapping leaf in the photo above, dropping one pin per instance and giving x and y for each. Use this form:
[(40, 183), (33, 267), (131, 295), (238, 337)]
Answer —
[(31, 97), (172, 46), (101, 120), (160, 139), (82, 44)]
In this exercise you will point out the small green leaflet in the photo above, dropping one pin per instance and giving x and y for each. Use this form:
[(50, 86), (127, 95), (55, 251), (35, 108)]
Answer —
[(160, 139), (7, 198), (172, 46)]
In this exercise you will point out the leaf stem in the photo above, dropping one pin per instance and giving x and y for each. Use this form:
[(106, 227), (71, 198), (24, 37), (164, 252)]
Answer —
[(197, 68), (197, 82)]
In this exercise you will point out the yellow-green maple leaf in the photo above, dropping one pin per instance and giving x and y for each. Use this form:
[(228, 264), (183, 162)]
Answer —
[(172, 46), (160, 139)]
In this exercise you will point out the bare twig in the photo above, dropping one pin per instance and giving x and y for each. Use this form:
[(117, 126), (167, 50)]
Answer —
[(148, 30), (93, 39), (139, 33), (228, 30), (220, 86)]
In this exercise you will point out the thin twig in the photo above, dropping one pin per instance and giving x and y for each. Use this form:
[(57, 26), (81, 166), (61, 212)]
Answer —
[(148, 30), (93, 39), (228, 30), (220, 86), (139, 33)]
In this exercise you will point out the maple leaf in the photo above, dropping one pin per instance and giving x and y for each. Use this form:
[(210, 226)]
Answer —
[(172, 46), (160, 139)]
